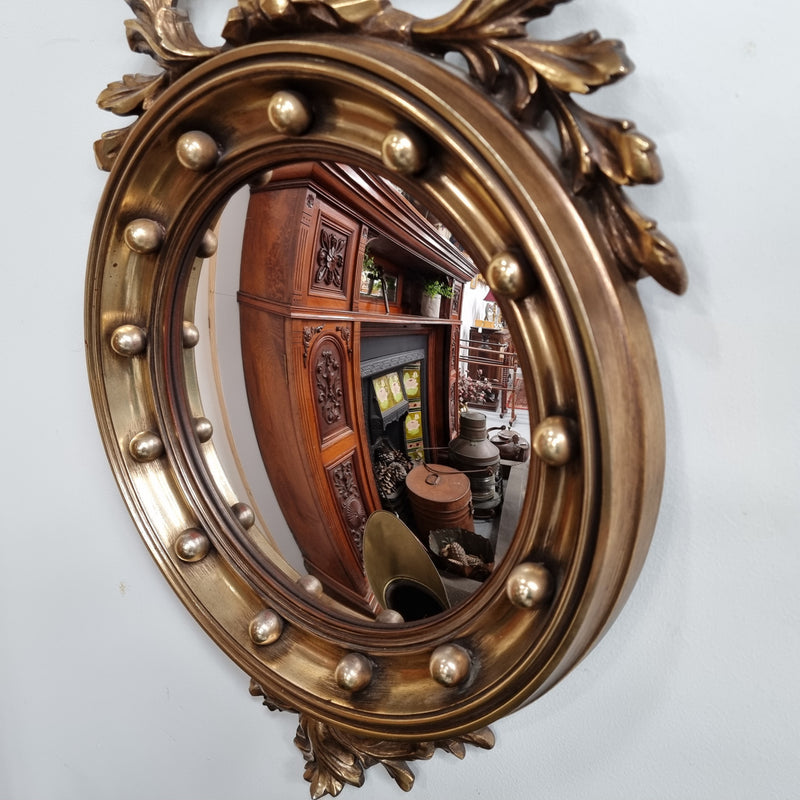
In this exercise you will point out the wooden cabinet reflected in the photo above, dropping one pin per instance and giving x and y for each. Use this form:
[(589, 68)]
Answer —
[(346, 380)]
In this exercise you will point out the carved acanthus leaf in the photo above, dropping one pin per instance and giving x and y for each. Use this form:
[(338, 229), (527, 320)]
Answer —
[(500, 55), (256, 20), (482, 19), (636, 241), (483, 738), (593, 144), (600, 154), (133, 94), (165, 33), (108, 145), (335, 757), (579, 64), (257, 690)]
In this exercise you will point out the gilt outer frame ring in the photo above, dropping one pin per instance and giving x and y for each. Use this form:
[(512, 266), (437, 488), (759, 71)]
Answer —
[(610, 356)]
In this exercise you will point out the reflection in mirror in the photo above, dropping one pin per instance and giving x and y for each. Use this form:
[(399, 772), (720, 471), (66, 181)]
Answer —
[(220, 376), (360, 366)]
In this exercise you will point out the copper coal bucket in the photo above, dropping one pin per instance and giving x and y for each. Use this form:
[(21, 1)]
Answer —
[(440, 497)]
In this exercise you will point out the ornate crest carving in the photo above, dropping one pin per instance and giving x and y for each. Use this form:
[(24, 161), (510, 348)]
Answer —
[(532, 79)]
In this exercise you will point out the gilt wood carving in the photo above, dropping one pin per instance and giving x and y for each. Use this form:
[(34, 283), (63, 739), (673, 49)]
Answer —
[(532, 77)]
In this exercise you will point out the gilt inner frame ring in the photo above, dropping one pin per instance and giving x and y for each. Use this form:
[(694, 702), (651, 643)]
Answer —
[(584, 347)]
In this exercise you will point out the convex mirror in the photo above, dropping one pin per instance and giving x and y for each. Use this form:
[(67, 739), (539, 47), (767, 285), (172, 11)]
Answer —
[(354, 143)]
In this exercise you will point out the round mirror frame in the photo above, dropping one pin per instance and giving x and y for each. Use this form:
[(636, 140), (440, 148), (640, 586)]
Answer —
[(382, 691)]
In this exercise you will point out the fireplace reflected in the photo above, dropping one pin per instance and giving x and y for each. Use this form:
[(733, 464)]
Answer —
[(363, 396)]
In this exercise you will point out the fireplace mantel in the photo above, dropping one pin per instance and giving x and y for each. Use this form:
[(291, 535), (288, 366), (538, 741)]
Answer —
[(303, 322)]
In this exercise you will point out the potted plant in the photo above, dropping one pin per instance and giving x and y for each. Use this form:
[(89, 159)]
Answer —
[(371, 271), (375, 277), (433, 290)]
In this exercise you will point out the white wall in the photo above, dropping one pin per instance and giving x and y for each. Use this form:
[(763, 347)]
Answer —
[(109, 689)]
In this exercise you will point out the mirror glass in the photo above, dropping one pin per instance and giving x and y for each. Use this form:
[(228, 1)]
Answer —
[(358, 363)]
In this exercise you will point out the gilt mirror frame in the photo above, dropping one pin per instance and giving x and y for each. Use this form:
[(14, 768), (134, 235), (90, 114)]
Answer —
[(551, 229)]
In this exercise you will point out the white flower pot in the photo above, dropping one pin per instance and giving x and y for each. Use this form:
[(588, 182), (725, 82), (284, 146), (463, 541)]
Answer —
[(430, 305)]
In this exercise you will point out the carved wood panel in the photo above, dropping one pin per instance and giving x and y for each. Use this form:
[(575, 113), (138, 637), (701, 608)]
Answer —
[(345, 485), (333, 255), (328, 387), (328, 379), (455, 345), (331, 249)]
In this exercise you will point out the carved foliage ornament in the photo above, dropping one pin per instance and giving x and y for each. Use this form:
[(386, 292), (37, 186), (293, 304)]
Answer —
[(531, 78), (557, 241), (328, 372), (335, 757), (350, 502), (309, 332)]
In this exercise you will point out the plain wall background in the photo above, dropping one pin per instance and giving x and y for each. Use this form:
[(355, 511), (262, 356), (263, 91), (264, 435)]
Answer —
[(109, 688)]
